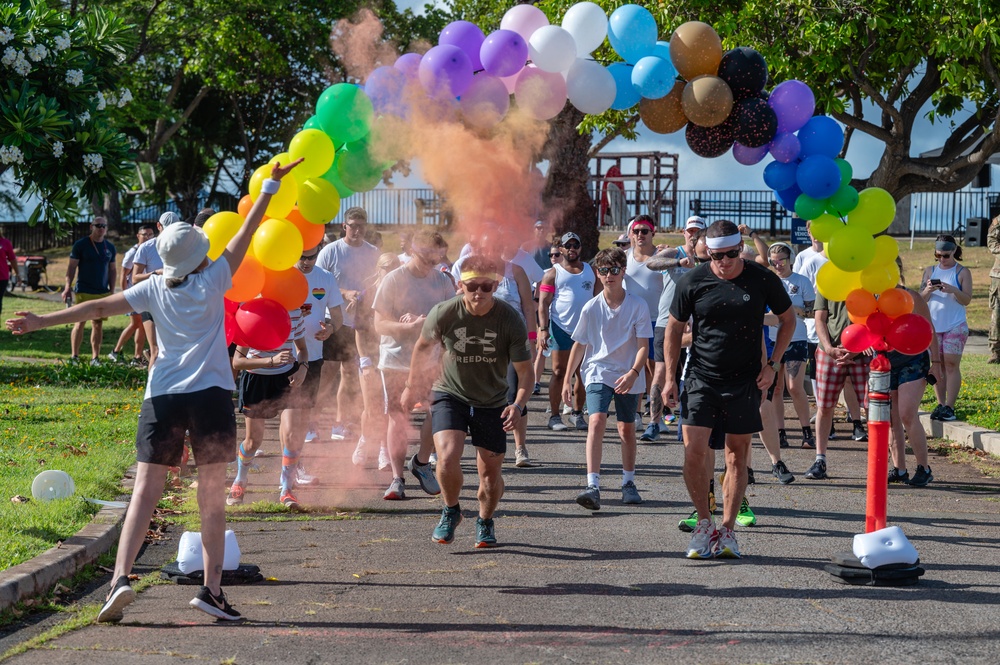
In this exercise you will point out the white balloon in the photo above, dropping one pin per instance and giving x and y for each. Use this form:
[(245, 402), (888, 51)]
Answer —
[(552, 49), (52, 484), (588, 24), (590, 86)]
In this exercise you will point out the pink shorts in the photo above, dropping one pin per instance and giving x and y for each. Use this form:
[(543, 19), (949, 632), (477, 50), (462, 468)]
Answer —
[(952, 343), (830, 379)]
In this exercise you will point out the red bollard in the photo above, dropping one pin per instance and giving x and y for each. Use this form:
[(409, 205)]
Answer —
[(878, 444)]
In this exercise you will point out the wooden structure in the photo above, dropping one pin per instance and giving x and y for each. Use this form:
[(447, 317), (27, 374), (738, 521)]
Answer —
[(625, 184)]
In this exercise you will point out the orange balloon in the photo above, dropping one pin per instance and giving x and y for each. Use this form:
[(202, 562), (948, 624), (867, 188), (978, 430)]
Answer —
[(861, 304), (895, 302), (312, 234), (862, 320), (247, 280), (288, 287), (244, 206), (664, 115)]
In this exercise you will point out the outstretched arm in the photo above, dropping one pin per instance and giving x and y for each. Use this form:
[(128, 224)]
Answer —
[(87, 311)]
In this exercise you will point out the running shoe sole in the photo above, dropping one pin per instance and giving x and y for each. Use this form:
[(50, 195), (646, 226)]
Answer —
[(451, 539), (112, 612)]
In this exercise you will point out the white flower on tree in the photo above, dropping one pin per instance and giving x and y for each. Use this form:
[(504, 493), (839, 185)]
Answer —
[(38, 52), (29, 38), (9, 56), (6, 35), (83, 117), (100, 101), (62, 41), (57, 149), (21, 65), (125, 97), (11, 154), (93, 162), (74, 77)]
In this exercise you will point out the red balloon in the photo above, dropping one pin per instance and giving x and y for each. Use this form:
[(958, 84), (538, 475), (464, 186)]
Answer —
[(878, 323), (231, 305), (264, 324), (910, 334), (856, 338)]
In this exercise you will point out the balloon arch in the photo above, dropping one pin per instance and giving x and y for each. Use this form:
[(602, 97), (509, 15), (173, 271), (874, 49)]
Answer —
[(717, 97)]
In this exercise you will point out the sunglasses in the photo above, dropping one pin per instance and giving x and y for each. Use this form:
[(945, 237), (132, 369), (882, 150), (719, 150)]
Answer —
[(640, 232), (555, 255), (310, 257), (100, 226), (572, 244), (485, 287), (614, 270), (778, 262), (942, 256), (731, 254)]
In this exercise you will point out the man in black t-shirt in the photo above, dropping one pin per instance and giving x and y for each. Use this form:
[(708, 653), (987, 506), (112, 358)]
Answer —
[(725, 301), (92, 261)]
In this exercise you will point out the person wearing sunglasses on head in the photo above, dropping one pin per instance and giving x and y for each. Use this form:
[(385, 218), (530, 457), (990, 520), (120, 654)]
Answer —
[(466, 343), (947, 289), (92, 262), (725, 301), (564, 290), (609, 343)]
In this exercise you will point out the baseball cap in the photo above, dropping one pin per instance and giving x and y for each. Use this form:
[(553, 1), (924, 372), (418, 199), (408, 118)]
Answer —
[(695, 222), (182, 248), (566, 237), (539, 224), (622, 240), (168, 218)]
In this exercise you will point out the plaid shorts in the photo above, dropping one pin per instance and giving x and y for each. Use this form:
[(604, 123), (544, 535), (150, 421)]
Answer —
[(830, 379)]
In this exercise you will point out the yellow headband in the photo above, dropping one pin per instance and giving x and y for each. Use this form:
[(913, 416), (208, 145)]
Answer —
[(472, 274)]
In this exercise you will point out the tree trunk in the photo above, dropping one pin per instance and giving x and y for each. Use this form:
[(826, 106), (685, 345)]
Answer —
[(567, 203)]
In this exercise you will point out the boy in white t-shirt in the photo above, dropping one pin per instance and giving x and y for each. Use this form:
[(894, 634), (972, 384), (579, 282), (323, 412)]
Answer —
[(607, 341)]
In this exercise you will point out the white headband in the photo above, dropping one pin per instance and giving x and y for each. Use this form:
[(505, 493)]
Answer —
[(724, 241)]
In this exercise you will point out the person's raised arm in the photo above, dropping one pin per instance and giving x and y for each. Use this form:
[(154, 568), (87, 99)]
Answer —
[(237, 247), (667, 259)]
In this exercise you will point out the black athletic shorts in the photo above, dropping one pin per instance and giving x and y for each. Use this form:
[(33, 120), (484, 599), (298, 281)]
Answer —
[(717, 439), (207, 414), (341, 346), (306, 399), (265, 395), (735, 408), (484, 425)]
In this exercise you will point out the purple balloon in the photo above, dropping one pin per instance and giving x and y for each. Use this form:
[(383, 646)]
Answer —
[(785, 148), (504, 53), (486, 101), (794, 103), (748, 156), (446, 67), (385, 88), (409, 64), (466, 36)]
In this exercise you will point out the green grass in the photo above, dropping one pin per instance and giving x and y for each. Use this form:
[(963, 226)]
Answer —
[(78, 419), (979, 399), (52, 343)]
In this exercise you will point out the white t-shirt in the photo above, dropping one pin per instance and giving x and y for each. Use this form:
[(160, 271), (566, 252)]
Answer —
[(147, 255), (531, 268), (127, 262), (352, 267), (800, 290), (573, 291), (670, 277), (612, 338), (645, 283), (190, 331), (401, 292), (807, 263), (324, 294)]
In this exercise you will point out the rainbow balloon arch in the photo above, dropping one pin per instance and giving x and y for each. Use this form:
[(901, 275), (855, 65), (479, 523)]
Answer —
[(689, 82)]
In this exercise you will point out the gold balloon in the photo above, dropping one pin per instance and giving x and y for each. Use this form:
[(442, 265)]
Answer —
[(707, 101), (664, 115), (695, 49)]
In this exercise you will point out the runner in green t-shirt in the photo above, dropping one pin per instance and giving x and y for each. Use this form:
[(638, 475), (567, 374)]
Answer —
[(480, 336)]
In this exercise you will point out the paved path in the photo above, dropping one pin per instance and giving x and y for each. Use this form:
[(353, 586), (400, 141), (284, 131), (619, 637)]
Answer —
[(359, 580)]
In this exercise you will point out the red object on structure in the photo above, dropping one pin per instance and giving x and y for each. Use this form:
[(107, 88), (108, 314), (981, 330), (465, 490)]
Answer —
[(610, 180), (879, 405)]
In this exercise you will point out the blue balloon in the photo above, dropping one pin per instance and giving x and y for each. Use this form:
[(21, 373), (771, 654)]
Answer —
[(654, 77), (788, 197), (626, 95), (818, 176), (821, 135), (632, 32), (779, 175), (662, 50)]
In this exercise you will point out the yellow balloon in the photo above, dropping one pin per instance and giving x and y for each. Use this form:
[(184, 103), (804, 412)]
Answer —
[(280, 158), (281, 203), (316, 149), (834, 283), (277, 244), (851, 249), (879, 278), (823, 227), (886, 250), (875, 210), (220, 229), (319, 201)]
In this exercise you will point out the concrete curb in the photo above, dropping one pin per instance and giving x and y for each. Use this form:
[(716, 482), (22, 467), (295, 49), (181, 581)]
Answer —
[(39, 575), (962, 433)]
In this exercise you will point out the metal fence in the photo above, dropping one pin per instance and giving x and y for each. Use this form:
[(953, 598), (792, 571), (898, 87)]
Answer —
[(930, 213)]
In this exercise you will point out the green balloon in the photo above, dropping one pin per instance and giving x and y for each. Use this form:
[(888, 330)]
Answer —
[(875, 211), (333, 178), (824, 226), (851, 249), (313, 123), (843, 201), (846, 170), (345, 112), (807, 207), (358, 170)]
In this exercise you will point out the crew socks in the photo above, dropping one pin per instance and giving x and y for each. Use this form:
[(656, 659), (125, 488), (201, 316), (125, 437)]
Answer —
[(243, 461), (289, 460), (628, 477), (593, 480)]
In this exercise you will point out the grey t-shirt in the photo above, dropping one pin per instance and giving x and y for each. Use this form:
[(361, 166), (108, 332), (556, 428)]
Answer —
[(351, 267), (401, 292)]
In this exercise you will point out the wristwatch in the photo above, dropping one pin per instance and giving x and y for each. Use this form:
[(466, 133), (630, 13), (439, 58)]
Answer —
[(770, 363)]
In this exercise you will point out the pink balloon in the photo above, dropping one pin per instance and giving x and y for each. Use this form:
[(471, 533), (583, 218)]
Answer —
[(541, 94), (485, 102), (524, 20)]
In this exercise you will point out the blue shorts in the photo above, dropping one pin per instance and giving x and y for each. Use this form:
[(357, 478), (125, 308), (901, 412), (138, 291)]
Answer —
[(560, 340), (796, 351), (599, 398), (915, 370)]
